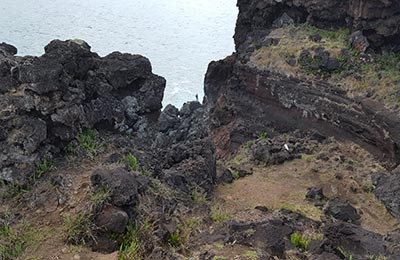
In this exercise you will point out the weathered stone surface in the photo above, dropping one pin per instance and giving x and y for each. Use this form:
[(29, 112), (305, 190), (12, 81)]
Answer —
[(112, 219), (388, 191), (351, 238), (342, 211), (122, 186), (183, 152)]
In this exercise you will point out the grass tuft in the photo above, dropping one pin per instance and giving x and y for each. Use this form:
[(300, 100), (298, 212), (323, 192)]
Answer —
[(300, 241)]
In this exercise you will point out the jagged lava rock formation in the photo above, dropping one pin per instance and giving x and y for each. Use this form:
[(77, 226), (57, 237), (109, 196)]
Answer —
[(45, 101)]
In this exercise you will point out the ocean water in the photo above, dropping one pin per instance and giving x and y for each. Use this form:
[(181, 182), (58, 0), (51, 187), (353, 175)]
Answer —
[(180, 37)]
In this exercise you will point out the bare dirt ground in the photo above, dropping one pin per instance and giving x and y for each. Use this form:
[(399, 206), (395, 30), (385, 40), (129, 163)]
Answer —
[(44, 209), (342, 170)]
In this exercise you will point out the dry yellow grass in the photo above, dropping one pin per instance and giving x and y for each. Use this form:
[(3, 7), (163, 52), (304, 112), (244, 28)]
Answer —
[(285, 186), (379, 79)]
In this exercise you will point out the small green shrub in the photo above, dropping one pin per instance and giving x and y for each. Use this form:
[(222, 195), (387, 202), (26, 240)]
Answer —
[(373, 257), (300, 241), (219, 257), (249, 144), (235, 174), (175, 240), (368, 187), (101, 196), (79, 229), (346, 254), (218, 214), (251, 255), (131, 245), (11, 243), (43, 167), (132, 161), (87, 140), (263, 136), (198, 196)]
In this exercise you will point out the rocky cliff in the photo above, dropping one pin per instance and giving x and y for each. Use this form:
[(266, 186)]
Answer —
[(306, 73), (289, 80)]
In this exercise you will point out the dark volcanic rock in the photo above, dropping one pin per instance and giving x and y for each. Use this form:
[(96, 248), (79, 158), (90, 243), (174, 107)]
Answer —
[(351, 238), (183, 152), (271, 234), (45, 101), (8, 48), (378, 20), (315, 194), (277, 150), (122, 186), (223, 175), (388, 191), (342, 211), (112, 219)]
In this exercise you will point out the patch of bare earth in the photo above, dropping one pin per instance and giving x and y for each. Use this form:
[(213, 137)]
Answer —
[(342, 170), (45, 208)]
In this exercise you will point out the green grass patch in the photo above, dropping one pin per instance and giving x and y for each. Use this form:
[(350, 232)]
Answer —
[(79, 229), (175, 240), (300, 241), (346, 254), (251, 255), (44, 166), (199, 196), (132, 162), (218, 214), (14, 241)]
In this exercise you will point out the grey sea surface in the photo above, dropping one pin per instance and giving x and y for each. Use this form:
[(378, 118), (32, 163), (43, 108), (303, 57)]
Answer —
[(180, 37)]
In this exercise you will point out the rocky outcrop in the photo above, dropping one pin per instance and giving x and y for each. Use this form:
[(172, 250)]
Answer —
[(272, 231), (387, 189), (379, 20), (70, 97), (45, 101), (245, 101), (183, 151)]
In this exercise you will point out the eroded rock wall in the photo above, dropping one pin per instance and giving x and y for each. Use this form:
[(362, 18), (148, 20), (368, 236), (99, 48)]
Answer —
[(244, 101)]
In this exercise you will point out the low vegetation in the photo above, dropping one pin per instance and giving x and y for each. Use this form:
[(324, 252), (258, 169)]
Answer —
[(251, 255), (175, 240), (199, 196), (132, 161), (43, 167), (218, 214), (300, 241), (79, 229), (373, 257), (131, 246), (86, 142), (346, 254), (379, 77), (15, 240)]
